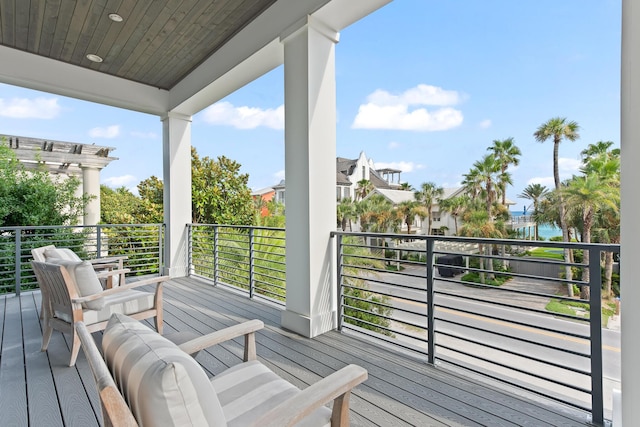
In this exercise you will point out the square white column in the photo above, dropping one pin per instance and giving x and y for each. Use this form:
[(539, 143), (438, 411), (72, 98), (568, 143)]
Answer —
[(176, 144), (630, 211), (310, 167)]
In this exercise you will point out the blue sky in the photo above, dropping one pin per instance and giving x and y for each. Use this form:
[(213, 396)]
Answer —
[(423, 86)]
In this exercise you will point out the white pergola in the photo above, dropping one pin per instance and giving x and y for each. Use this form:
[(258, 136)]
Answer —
[(301, 34)]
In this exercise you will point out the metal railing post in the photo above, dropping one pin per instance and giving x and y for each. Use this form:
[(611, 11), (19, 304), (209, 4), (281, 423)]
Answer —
[(595, 323), (98, 241), (431, 333), (18, 259), (161, 248), (339, 281), (251, 284), (215, 255), (189, 249)]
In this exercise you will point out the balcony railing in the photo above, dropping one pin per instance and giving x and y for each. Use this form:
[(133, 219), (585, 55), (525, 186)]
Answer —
[(420, 293), (143, 244), (249, 259)]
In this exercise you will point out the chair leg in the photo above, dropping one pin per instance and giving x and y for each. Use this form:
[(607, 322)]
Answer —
[(75, 347), (46, 335)]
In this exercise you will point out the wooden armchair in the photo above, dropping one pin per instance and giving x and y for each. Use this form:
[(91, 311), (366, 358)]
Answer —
[(168, 387), (72, 292)]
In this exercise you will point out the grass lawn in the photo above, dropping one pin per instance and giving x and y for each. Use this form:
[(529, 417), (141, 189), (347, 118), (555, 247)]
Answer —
[(551, 253), (580, 309)]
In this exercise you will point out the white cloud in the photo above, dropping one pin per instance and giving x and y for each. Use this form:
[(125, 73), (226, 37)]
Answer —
[(279, 175), (225, 113), (393, 145), (144, 135), (108, 132), (384, 110), (23, 108), (485, 124), (119, 181), (567, 168), (403, 166)]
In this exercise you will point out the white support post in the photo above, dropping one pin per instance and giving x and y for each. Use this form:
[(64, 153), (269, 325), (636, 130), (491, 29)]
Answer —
[(91, 188), (176, 138), (630, 210), (310, 165)]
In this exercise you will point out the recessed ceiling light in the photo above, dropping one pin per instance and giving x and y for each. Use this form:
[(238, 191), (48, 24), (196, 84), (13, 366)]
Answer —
[(94, 58), (115, 17)]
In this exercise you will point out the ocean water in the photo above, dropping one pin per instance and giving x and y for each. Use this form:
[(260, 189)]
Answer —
[(545, 231)]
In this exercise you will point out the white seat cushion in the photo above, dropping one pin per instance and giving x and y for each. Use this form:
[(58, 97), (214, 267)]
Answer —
[(162, 384), (125, 302), (247, 391), (85, 279)]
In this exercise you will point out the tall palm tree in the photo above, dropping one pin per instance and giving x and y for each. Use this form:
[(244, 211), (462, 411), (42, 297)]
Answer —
[(507, 154), (558, 128), (535, 193), (428, 195), (586, 195), (486, 174), (378, 215), (477, 224), (598, 149)]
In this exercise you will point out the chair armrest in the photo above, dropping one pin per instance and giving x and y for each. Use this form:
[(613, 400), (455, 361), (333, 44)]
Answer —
[(247, 329), (336, 386), (109, 260), (108, 273), (113, 291)]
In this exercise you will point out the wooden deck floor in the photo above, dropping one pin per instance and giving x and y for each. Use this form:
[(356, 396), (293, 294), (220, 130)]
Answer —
[(39, 389)]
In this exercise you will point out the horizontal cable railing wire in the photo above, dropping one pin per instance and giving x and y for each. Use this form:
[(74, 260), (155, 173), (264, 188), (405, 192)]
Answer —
[(142, 244), (471, 304)]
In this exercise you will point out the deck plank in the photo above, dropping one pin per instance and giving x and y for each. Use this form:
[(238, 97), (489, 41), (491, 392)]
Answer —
[(13, 391), (43, 404)]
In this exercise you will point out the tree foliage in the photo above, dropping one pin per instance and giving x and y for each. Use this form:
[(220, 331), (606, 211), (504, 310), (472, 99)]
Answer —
[(36, 197), (220, 194)]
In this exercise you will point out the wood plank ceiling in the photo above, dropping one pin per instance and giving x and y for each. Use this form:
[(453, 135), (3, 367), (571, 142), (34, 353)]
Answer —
[(157, 43)]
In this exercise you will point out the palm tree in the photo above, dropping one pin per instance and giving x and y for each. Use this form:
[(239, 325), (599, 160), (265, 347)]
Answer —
[(598, 149), (477, 224), (456, 207), (558, 128), (406, 186), (364, 187), (485, 173), (428, 195), (409, 209), (586, 195), (535, 193), (506, 153), (346, 211), (378, 215)]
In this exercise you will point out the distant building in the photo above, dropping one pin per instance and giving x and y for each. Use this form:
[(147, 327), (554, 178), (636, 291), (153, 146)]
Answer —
[(266, 195)]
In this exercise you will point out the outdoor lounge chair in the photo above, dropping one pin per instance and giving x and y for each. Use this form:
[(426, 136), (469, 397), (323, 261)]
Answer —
[(72, 292), (103, 266), (163, 385)]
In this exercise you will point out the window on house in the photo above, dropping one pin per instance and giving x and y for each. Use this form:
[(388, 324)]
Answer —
[(437, 232), (347, 193), (364, 175), (338, 193)]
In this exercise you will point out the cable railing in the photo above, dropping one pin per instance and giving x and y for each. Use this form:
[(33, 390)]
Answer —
[(249, 259), (143, 244), (498, 309)]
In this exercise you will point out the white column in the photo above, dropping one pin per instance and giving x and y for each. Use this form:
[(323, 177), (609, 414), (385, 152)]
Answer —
[(91, 187), (176, 144), (310, 165), (630, 210)]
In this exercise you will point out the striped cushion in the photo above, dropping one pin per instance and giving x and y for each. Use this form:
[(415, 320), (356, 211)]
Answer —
[(247, 391), (162, 384)]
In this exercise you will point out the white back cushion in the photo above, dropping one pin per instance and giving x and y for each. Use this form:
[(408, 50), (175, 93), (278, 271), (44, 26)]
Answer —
[(163, 385), (86, 281)]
